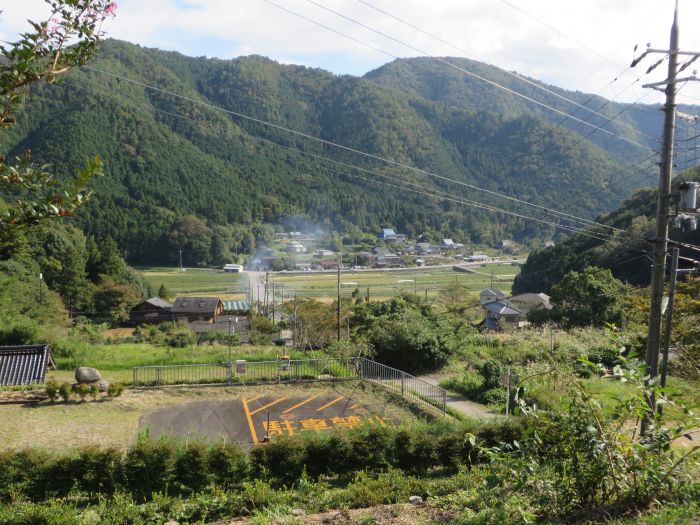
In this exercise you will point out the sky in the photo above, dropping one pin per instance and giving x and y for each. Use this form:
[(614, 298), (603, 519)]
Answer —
[(578, 45)]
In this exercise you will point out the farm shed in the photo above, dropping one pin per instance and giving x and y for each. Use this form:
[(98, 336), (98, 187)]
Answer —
[(24, 364), (204, 309), (153, 310)]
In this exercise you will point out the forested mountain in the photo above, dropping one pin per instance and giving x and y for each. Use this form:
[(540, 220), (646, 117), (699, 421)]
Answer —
[(429, 78), (625, 257), (180, 170)]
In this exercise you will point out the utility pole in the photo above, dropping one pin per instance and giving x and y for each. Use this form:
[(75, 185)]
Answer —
[(41, 298), (181, 268), (660, 240), (294, 327), (340, 308), (669, 320)]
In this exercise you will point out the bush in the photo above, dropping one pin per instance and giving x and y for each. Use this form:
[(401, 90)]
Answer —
[(21, 331), (228, 464), (52, 389), (192, 467), (65, 392), (181, 338), (82, 390), (94, 391), (115, 390), (149, 467)]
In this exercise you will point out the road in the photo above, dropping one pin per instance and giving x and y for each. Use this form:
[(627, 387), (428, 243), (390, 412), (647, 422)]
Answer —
[(460, 403)]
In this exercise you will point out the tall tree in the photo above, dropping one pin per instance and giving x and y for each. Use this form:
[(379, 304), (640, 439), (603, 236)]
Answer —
[(67, 39)]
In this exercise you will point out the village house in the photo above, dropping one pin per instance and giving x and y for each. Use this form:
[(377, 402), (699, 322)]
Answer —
[(25, 364), (491, 295), (527, 302), (153, 310), (501, 313), (199, 309), (384, 258)]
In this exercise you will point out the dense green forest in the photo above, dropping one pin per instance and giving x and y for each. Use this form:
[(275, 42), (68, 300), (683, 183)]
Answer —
[(179, 172), (627, 260)]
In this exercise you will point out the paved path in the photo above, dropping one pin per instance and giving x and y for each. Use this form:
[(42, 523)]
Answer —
[(460, 403)]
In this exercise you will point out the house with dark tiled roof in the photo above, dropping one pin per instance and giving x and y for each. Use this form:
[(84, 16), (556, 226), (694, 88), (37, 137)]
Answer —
[(153, 310), (502, 312), (25, 364), (199, 309)]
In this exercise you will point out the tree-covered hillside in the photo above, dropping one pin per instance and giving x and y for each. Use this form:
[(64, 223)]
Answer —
[(166, 157), (437, 81), (626, 257)]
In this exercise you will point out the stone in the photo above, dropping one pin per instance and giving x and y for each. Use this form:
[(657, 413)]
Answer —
[(298, 512), (85, 374), (415, 500), (171, 522), (104, 385)]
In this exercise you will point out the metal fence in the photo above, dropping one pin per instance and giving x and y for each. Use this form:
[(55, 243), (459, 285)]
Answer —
[(404, 384), (292, 371)]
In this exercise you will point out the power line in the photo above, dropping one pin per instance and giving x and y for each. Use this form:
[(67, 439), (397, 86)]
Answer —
[(344, 148), (462, 50), (450, 64)]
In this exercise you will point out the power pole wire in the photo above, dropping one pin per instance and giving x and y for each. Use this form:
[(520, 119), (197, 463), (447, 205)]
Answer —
[(345, 148), (463, 70)]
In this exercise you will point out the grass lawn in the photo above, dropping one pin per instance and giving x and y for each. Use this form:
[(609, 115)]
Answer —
[(115, 361)]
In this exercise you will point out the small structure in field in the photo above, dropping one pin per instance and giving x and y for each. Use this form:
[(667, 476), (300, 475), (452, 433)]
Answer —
[(199, 309), (153, 310), (25, 364)]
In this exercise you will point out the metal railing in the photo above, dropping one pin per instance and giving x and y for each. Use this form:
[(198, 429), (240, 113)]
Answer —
[(404, 384), (292, 371), (244, 372)]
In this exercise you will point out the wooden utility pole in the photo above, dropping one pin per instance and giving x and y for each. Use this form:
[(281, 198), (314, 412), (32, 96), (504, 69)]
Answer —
[(294, 326)]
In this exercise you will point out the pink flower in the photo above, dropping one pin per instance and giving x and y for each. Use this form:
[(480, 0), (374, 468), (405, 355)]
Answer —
[(111, 9)]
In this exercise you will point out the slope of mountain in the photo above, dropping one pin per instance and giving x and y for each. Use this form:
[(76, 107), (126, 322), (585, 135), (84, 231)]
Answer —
[(436, 81), (165, 156), (626, 258)]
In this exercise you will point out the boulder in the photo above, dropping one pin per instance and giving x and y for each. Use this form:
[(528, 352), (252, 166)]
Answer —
[(104, 385), (298, 512), (85, 374), (415, 500)]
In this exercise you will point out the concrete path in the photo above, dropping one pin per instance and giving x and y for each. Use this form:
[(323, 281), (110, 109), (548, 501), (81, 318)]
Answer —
[(459, 403)]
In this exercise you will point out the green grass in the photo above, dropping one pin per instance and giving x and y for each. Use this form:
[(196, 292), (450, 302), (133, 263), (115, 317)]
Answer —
[(127, 355), (197, 281), (387, 284)]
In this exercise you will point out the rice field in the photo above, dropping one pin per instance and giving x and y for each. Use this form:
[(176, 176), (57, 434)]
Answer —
[(379, 284)]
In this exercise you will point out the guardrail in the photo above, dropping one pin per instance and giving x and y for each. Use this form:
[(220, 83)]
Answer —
[(293, 371)]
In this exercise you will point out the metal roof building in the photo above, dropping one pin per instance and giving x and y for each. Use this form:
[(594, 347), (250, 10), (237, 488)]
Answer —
[(24, 364)]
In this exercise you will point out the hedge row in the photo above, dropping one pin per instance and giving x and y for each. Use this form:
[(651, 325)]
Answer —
[(184, 468)]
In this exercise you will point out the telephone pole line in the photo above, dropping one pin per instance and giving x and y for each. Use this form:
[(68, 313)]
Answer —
[(660, 240)]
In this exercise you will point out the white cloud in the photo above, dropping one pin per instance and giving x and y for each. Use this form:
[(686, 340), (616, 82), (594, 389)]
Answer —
[(600, 34)]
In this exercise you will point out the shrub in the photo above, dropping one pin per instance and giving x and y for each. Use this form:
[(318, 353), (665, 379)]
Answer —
[(181, 338), (82, 390), (281, 460), (149, 467), (115, 390), (52, 389), (228, 464), (94, 391), (192, 467), (65, 391), (21, 331)]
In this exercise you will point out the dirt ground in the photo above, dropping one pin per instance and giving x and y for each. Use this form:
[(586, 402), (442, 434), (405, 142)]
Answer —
[(208, 412), (402, 514)]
